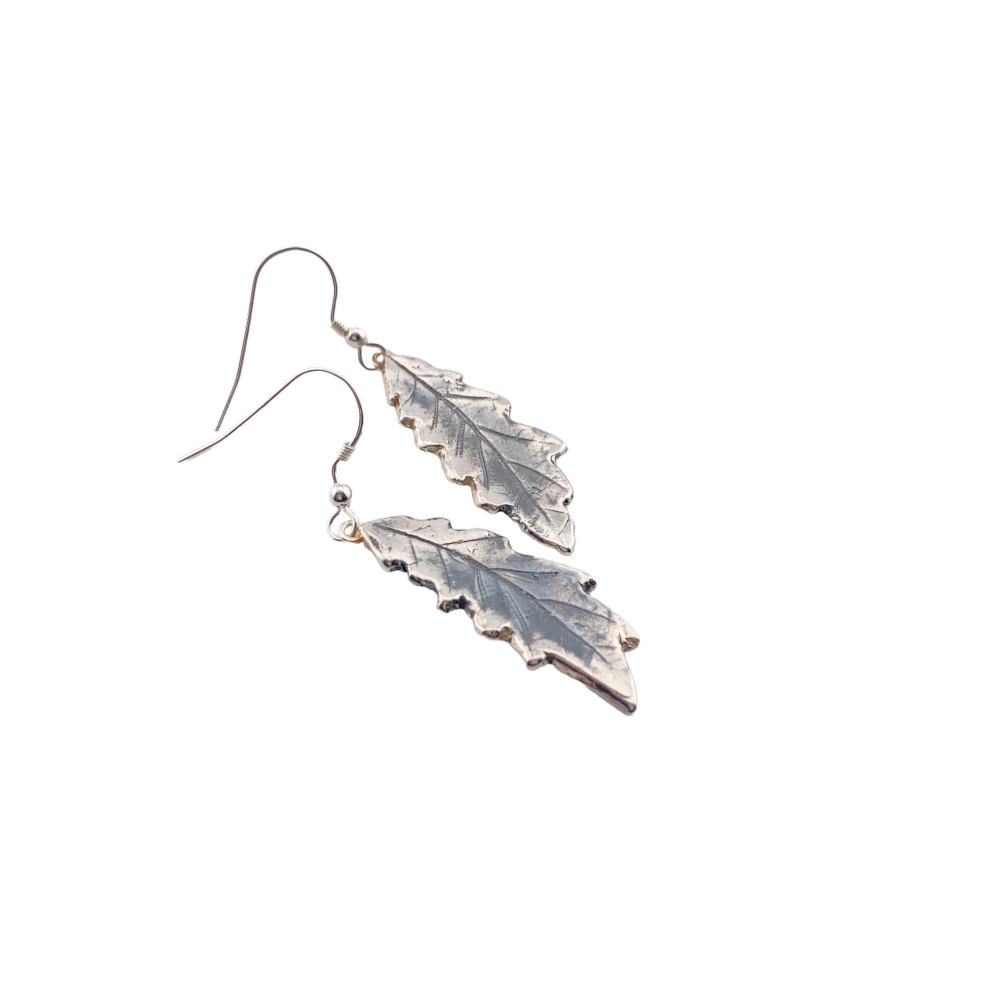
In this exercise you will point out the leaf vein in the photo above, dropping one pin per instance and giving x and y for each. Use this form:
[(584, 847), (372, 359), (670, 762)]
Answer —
[(467, 421), (479, 567)]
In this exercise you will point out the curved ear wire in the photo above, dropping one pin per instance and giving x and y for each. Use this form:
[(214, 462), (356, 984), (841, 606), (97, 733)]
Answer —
[(246, 332), (345, 452)]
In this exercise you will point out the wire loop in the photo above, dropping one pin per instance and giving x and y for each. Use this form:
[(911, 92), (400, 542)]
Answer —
[(349, 531), (376, 366)]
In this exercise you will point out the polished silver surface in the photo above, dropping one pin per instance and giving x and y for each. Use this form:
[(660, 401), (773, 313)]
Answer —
[(356, 337), (543, 609), (510, 467), (340, 494), (246, 330)]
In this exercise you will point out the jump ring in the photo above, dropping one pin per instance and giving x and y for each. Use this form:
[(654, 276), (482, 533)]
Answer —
[(347, 532)]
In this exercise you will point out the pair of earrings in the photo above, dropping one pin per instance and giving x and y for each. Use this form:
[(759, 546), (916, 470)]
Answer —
[(544, 609)]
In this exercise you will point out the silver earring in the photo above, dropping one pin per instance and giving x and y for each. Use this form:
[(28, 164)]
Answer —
[(545, 610), (510, 467)]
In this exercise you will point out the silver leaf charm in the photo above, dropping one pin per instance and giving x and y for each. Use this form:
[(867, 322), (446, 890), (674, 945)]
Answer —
[(511, 467), (543, 609)]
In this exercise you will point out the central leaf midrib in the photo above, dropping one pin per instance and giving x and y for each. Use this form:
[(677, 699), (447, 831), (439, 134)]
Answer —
[(495, 573), (493, 447)]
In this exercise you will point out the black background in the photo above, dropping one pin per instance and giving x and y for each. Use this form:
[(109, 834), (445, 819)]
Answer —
[(285, 628)]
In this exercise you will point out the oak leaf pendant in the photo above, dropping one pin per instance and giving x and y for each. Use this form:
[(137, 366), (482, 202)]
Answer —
[(510, 467), (543, 609)]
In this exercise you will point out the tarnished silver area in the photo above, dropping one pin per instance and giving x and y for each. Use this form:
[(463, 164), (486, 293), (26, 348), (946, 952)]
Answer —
[(511, 467), (543, 609)]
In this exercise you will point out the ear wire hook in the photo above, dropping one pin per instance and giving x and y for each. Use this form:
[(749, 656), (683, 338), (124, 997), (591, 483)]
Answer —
[(246, 332), (340, 494)]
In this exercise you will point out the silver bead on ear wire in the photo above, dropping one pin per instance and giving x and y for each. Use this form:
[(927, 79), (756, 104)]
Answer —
[(356, 337), (340, 494)]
